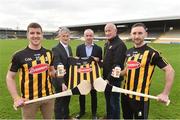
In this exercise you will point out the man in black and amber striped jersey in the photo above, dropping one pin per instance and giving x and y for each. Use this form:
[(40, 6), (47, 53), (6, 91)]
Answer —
[(140, 64), (34, 64)]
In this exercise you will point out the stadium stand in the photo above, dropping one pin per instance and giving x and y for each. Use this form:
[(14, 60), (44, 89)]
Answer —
[(171, 36), (76, 35), (161, 30), (125, 35), (158, 28), (13, 34)]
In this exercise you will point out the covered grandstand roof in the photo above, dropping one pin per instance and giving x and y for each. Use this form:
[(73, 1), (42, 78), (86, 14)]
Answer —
[(167, 18), (160, 29)]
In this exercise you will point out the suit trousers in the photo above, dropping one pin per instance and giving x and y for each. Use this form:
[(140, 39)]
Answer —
[(61, 107), (113, 102), (82, 101)]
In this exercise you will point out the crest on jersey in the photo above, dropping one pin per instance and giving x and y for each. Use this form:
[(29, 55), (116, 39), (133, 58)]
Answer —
[(37, 56)]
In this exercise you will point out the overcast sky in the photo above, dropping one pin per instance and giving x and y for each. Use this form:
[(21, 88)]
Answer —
[(51, 14)]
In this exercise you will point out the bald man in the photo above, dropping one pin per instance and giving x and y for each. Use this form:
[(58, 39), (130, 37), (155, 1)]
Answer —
[(114, 55), (86, 50)]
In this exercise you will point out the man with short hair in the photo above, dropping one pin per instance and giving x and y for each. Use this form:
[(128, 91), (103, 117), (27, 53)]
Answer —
[(61, 53), (140, 64), (34, 63), (114, 55), (86, 50)]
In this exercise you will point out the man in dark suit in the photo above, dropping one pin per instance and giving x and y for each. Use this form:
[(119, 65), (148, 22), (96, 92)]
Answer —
[(61, 53), (85, 50)]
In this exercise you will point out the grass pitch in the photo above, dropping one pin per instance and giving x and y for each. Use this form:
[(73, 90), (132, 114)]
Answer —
[(157, 110)]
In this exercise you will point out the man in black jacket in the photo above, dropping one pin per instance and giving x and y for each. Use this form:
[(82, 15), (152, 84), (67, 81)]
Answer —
[(114, 55), (85, 50), (61, 53)]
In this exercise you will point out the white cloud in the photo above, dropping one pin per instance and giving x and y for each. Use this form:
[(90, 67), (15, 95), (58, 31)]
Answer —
[(53, 13)]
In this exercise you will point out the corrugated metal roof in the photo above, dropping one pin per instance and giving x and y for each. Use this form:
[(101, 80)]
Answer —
[(129, 21)]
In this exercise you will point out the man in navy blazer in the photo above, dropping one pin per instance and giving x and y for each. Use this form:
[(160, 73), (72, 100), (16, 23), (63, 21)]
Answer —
[(85, 50), (61, 53)]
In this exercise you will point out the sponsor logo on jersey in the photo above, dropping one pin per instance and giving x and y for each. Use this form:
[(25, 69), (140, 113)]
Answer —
[(84, 70), (38, 68), (133, 64)]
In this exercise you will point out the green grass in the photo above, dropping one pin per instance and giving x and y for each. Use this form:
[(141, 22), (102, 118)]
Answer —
[(157, 110)]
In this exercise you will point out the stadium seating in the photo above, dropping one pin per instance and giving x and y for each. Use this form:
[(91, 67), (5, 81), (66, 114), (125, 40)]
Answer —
[(171, 36)]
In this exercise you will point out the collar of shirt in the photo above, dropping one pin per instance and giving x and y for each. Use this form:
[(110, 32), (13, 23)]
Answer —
[(89, 50), (65, 46), (142, 47), (113, 39), (89, 46)]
